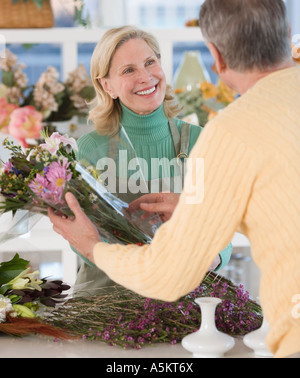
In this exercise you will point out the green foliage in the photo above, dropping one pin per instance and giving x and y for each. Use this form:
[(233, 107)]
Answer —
[(11, 269), (38, 3)]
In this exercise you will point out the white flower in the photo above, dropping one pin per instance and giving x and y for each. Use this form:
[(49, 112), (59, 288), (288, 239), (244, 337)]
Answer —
[(26, 280), (5, 307), (53, 142), (93, 197)]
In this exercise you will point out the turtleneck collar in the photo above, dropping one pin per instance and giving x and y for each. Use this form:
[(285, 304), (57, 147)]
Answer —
[(147, 128)]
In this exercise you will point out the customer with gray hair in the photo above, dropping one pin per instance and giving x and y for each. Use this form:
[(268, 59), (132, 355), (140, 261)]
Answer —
[(252, 148)]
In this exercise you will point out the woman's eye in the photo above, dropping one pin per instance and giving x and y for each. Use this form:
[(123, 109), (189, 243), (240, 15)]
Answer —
[(128, 70), (150, 62)]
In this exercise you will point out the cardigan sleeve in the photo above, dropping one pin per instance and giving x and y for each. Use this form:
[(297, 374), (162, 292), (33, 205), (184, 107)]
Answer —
[(221, 172)]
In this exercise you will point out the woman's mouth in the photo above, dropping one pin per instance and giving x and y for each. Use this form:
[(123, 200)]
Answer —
[(147, 92)]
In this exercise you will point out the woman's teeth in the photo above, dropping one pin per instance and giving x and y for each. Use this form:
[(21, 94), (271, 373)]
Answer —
[(149, 91)]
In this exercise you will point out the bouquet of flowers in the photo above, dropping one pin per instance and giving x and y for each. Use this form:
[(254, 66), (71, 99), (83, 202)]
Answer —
[(38, 177), (23, 108), (118, 316), (23, 295), (205, 100)]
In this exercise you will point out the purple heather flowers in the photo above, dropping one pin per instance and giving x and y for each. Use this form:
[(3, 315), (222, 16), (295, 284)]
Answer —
[(121, 317)]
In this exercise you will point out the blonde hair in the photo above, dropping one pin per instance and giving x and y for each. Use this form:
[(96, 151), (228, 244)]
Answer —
[(105, 112)]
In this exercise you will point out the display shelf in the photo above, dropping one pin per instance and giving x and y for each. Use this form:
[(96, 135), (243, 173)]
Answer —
[(70, 38)]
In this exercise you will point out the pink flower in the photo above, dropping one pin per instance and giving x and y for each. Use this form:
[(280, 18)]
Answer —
[(39, 185), (53, 142), (50, 185), (25, 122), (57, 176), (7, 166), (5, 111)]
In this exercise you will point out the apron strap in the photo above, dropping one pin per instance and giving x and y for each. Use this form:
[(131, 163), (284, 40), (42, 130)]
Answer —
[(114, 146), (175, 135), (181, 142)]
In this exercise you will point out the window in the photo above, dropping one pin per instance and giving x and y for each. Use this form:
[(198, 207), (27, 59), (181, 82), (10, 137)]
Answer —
[(145, 13)]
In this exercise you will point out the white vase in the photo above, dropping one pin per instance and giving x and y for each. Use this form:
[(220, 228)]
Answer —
[(208, 342), (191, 72), (256, 340), (74, 127)]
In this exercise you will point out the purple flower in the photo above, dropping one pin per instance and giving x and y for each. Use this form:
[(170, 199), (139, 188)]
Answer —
[(39, 185), (106, 335)]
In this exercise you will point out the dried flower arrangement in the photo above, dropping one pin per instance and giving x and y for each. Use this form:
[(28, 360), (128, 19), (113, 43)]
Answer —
[(118, 316)]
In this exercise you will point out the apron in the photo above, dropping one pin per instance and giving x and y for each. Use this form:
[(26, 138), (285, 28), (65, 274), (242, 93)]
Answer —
[(90, 279)]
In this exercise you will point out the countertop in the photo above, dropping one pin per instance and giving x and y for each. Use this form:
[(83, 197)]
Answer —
[(47, 347)]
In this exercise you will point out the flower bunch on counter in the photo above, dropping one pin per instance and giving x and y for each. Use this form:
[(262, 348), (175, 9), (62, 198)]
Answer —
[(23, 294), (204, 100), (24, 109), (118, 316)]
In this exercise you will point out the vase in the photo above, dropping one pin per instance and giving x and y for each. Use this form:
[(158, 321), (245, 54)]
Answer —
[(208, 342), (256, 340), (191, 72)]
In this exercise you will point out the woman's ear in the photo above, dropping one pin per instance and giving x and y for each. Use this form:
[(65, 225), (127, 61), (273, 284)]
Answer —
[(219, 60), (107, 87), (104, 83)]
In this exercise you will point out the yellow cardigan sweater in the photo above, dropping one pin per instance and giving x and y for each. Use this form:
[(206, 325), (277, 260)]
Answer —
[(251, 172)]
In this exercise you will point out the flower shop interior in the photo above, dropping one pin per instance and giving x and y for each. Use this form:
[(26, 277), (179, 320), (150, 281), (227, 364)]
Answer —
[(58, 50)]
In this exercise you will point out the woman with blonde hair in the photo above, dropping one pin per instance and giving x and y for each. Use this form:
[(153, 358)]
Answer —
[(105, 112), (133, 98)]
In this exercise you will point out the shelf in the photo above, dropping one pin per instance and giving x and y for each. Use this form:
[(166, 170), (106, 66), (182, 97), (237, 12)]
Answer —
[(69, 38)]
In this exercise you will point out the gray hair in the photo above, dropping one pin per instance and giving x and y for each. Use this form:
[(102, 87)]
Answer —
[(250, 34)]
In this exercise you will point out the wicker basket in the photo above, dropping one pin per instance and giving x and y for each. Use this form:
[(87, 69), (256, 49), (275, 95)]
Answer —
[(25, 15)]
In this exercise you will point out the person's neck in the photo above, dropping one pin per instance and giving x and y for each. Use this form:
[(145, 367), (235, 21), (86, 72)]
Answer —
[(244, 81)]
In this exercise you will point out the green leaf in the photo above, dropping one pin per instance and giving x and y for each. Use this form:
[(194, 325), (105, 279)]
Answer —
[(88, 93), (3, 289), (11, 269), (38, 3), (8, 78)]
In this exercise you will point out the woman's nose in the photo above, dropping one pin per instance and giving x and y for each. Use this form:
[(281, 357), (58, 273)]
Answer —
[(144, 75)]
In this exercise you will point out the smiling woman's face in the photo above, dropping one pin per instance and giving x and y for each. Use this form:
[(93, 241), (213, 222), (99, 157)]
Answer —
[(136, 77)]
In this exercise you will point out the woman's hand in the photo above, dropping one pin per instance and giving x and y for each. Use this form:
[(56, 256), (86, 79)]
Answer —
[(79, 231), (162, 204)]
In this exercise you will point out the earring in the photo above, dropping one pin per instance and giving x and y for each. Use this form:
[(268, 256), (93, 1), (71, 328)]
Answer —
[(113, 97)]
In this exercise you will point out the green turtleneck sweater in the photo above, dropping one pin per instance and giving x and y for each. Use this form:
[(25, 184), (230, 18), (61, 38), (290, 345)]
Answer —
[(151, 138)]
